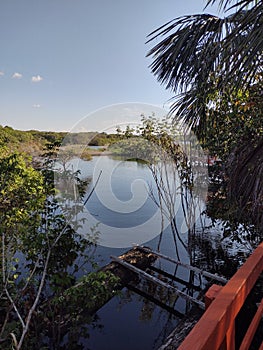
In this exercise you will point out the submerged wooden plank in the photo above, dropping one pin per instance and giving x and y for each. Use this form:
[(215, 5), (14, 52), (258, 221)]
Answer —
[(152, 298), (175, 278), (189, 267), (84, 291), (159, 282)]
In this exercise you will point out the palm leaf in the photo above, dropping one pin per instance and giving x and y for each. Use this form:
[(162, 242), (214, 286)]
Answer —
[(180, 57), (225, 4), (204, 53)]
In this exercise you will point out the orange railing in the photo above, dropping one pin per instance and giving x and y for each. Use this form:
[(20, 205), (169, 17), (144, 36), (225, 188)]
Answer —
[(216, 328)]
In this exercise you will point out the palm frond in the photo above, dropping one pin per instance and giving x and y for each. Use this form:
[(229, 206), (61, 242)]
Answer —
[(245, 172), (204, 58), (200, 46), (191, 52), (249, 30), (225, 5)]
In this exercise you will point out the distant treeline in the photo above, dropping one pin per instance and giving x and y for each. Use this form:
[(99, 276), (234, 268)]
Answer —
[(89, 138), (33, 141)]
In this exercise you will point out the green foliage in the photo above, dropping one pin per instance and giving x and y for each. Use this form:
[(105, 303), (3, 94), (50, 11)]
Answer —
[(91, 292), (67, 314), (99, 140), (214, 67), (40, 253), (22, 193), (233, 120), (30, 142), (154, 141), (198, 55), (234, 132), (34, 142), (81, 138), (88, 139)]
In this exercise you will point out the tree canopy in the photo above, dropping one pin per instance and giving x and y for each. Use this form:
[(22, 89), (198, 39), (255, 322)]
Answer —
[(201, 54), (213, 66)]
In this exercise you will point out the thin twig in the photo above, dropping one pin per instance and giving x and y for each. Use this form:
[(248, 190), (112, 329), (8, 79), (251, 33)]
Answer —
[(14, 306), (93, 188)]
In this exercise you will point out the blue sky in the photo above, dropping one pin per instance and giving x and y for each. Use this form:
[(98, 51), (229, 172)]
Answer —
[(63, 59)]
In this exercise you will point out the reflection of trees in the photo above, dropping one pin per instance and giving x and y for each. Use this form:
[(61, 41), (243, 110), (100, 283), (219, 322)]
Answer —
[(212, 257), (164, 332), (150, 310), (176, 195), (175, 161)]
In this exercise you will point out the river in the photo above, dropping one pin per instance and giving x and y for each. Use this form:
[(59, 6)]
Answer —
[(120, 204)]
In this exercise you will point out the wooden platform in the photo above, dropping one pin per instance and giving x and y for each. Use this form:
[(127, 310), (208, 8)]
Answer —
[(167, 285)]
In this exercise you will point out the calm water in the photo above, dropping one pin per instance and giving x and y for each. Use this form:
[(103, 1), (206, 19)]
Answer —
[(121, 203)]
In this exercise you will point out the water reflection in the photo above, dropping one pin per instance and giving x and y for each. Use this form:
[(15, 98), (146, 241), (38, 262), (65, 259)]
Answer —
[(135, 323)]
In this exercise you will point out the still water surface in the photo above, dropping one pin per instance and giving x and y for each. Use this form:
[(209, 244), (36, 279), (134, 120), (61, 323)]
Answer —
[(129, 321)]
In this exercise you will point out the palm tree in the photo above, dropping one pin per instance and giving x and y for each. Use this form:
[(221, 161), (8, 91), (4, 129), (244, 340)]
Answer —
[(203, 53), (206, 60)]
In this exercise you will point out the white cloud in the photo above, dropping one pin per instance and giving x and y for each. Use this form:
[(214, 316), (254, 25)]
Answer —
[(1, 73), (17, 76), (36, 78), (36, 105)]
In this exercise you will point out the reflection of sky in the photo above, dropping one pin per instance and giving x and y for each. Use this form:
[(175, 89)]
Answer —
[(120, 205), (121, 197), (120, 222), (125, 326)]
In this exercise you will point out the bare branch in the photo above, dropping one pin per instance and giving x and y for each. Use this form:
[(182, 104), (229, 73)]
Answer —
[(33, 308)]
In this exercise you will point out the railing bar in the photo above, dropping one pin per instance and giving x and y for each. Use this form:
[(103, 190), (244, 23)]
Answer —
[(189, 267), (211, 329), (161, 283), (252, 328)]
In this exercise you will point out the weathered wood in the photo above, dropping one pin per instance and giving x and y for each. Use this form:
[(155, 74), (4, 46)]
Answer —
[(189, 267), (62, 306), (159, 282), (151, 297), (175, 278), (181, 330), (133, 256)]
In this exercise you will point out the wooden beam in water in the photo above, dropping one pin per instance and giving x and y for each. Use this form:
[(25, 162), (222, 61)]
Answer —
[(155, 301), (134, 256), (159, 282), (189, 267), (174, 278)]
